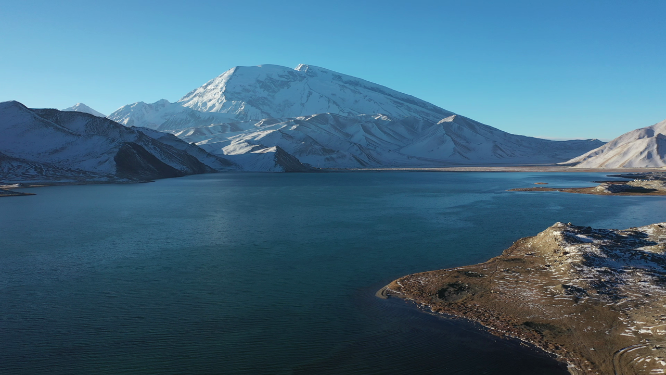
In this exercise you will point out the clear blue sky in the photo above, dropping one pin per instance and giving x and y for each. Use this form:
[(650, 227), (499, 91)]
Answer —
[(558, 69)]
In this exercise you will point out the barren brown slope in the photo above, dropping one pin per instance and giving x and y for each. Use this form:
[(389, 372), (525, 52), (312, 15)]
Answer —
[(595, 297)]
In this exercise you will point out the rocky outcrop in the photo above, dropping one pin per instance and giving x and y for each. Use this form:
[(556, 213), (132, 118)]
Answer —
[(636, 186), (648, 184), (213, 161), (595, 297), (288, 162), (134, 162)]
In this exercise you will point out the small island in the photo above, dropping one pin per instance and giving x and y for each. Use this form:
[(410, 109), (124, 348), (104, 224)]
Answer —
[(7, 191), (596, 298), (642, 184)]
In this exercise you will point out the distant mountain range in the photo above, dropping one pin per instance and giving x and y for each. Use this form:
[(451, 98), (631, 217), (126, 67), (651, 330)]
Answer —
[(277, 119), (327, 119), (47, 145), (640, 148)]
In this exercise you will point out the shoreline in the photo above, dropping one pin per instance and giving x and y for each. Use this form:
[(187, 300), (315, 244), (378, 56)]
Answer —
[(10, 193), (641, 184), (502, 168), (570, 291), (594, 191), (7, 188), (386, 292)]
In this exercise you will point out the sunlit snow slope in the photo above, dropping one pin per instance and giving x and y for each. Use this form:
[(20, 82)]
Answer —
[(163, 115), (332, 120), (334, 141), (640, 148), (272, 91)]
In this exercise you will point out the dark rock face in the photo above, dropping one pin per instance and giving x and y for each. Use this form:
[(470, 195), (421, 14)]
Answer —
[(289, 162), (134, 162), (213, 161)]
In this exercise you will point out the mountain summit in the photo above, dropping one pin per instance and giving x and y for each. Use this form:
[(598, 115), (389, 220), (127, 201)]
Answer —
[(272, 91)]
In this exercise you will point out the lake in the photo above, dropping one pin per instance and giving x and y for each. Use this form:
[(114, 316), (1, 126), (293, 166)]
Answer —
[(269, 273)]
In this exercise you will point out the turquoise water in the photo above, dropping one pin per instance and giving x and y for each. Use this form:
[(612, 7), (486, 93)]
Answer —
[(268, 273)]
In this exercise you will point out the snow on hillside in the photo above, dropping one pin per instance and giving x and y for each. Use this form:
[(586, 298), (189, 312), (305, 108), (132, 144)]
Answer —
[(640, 148), (47, 144), (80, 107), (328, 119), (334, 141), (164, 115)]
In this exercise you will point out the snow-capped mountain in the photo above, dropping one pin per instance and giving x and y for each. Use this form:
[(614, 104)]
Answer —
[(328, 119), (640, 148), (80, 107), (271, 91), (47, 144)]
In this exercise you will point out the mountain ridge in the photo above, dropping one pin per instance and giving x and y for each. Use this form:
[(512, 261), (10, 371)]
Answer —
[(53, 145), (363, 141)]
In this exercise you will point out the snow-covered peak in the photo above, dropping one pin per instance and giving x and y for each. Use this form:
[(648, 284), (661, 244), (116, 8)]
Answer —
[(640, 148), (80, 107), (273, 91)]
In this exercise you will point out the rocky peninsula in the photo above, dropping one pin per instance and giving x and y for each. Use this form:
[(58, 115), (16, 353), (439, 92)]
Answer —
[(7, 191), (594, 297), (643, 184)]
